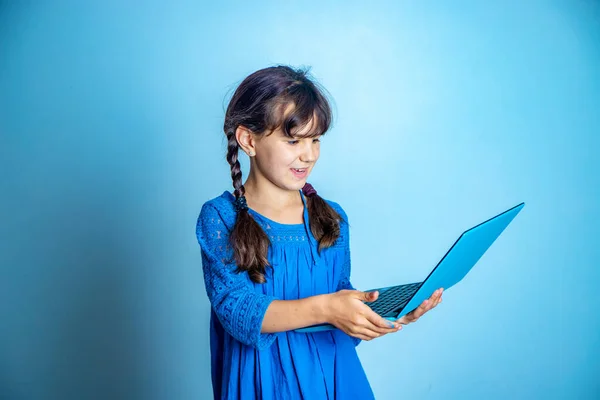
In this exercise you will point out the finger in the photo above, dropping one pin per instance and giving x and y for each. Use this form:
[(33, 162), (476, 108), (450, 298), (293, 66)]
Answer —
[(384, 331), (363, 331), (371, 296), (367, 296), (419, 311), (430, 305), (352, 331), (409, 318), (438, 300), (435, 295), (438, 297), (371, 334), (415, 314), (406, 319), (388, 326), (369, 320), (381, 323), (440, 294)]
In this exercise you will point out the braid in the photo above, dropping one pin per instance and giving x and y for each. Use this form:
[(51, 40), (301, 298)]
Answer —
[(324, 221), (249, 241), (236, 169)]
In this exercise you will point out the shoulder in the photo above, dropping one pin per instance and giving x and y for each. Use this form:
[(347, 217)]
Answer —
[(344, 224), (219, 209), (339, 209), (343, 239)]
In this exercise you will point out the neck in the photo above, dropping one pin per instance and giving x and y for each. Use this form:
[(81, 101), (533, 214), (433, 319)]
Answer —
[(262, 193)]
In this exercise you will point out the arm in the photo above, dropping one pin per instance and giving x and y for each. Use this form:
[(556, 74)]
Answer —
[(287, 315), (344, 309), (239, 308)]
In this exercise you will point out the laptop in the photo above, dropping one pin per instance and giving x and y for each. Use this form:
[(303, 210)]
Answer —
[(395, 301)]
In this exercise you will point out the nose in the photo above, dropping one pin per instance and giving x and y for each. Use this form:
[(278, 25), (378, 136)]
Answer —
[(309, 153)]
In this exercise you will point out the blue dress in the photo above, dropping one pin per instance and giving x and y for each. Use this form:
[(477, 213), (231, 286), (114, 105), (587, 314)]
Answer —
[(248, 364)]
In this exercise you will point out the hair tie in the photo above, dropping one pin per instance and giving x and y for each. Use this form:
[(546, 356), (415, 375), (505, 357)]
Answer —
[(240, 204), (309, 190)]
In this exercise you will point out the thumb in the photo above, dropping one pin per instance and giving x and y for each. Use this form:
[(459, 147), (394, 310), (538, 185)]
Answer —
[(370, 296)]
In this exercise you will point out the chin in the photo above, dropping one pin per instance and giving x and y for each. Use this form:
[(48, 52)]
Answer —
[(295, 186), (298, 186)]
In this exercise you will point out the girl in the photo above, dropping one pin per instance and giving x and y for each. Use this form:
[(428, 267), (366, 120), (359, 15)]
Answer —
[(276, 258)]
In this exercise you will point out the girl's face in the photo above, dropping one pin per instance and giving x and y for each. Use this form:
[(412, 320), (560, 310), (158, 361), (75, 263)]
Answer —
[(286, 162)]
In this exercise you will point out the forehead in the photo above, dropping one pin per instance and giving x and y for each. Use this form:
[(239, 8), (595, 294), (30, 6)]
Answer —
[(309, 129), (301, 129)]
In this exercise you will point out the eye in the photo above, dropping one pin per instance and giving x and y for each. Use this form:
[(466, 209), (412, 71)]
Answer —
[(315, 140), (292, 142)]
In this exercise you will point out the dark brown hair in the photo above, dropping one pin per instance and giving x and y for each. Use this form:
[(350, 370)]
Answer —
[(258, 104)]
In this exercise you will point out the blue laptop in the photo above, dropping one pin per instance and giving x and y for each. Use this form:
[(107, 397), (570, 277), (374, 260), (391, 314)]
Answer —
[(396, 301)]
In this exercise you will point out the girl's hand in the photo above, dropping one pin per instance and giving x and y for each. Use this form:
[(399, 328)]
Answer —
[(427, 305), (346, 310)]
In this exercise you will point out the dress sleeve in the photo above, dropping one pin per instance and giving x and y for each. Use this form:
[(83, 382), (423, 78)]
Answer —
[(239, 308)]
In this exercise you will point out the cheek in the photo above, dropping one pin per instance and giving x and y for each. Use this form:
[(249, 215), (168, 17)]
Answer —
[(287, 156), (279, 161)]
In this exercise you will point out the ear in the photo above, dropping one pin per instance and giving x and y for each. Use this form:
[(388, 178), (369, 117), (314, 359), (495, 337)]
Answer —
[(246, 140)]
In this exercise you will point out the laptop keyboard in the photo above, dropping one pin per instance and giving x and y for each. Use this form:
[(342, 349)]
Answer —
[(393, 299)]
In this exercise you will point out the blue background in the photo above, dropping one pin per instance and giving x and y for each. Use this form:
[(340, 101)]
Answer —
[(446, 114)]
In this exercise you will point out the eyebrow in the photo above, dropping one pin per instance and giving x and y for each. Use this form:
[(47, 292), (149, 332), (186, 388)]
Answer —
[(307, 136)]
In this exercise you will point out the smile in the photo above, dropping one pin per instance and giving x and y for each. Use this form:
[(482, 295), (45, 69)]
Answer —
[(299, 172)]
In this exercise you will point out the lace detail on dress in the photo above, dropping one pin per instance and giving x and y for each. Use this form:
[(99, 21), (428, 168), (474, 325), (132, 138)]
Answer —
[(238, 306)]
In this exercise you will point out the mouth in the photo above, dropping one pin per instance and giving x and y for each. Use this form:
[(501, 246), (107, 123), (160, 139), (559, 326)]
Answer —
[(300, 172)]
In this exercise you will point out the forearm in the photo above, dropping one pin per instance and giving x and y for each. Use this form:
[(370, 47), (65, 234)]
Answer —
[(287, 315)]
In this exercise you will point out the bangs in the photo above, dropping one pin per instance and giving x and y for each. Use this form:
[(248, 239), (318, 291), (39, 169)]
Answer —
[(303, 108)]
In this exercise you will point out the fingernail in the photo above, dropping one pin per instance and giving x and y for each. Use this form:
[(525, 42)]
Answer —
[(391, 324)]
